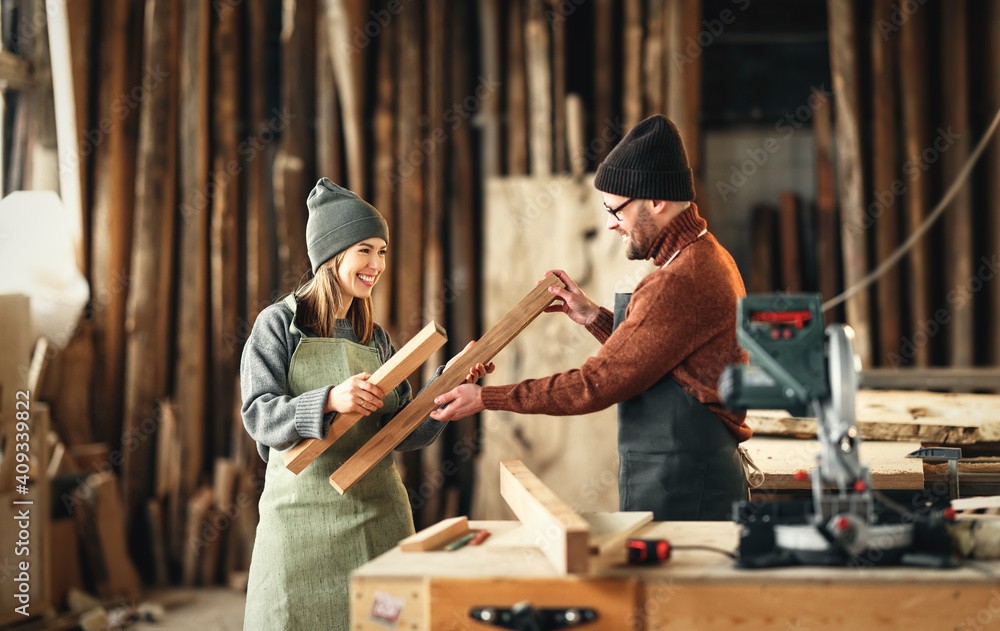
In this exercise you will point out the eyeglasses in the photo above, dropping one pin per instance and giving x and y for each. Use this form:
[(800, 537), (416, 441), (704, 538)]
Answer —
[(615, 211)]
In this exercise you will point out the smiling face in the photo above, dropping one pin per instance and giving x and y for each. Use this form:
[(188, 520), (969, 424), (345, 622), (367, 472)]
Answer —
[(633, 223), (360, 269)]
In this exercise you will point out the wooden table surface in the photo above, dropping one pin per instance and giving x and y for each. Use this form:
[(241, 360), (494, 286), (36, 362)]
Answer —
[(696, 589)]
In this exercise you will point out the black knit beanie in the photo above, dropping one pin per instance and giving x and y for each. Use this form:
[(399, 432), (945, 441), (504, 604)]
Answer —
[(648, 163)]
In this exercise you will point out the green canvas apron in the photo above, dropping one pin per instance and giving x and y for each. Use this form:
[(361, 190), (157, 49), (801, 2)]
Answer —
[(310, 537)]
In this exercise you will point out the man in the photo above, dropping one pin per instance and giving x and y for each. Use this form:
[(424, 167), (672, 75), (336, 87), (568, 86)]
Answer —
[(663, 348)]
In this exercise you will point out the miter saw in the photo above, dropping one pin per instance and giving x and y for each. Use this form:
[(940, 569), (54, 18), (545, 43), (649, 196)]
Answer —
[(798, 366)]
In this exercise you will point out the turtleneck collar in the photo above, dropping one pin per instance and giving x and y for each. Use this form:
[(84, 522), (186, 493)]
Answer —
[(682, 230)]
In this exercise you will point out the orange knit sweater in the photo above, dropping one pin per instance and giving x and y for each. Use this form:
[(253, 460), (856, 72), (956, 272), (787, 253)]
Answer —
[(681, 321)]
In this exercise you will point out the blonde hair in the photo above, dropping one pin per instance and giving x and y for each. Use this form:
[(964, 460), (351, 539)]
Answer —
[(321, 298)]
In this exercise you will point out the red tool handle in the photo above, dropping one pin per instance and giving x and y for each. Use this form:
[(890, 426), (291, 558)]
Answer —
[(647, 551)]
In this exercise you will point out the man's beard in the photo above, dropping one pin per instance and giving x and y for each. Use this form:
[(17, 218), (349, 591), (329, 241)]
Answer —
[(640, 239)]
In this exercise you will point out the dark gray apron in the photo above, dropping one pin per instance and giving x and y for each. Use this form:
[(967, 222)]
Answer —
[(676, 456)]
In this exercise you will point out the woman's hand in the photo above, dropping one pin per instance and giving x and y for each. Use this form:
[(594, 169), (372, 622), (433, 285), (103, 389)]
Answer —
[(575, 303), (465, 400), (356, 395), (476, 372)]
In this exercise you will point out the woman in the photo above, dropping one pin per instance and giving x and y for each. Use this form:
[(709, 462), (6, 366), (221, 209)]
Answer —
[(307, 360)]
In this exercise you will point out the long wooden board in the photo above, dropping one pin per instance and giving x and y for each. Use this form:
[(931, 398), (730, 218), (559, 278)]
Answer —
[(560, 532), (930, 417), (492, 342), (436, 535), (387, 377)]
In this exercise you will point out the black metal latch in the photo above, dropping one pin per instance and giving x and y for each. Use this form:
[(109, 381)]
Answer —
[(524, 617)]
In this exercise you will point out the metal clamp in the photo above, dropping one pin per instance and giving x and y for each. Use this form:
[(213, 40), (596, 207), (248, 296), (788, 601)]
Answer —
[(952, 455), (524, 617)]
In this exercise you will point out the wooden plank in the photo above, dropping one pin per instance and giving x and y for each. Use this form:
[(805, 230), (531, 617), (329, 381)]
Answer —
[(883, 209), (491, 343), (561, 533), (976, 503), (488, 31), (198, 508), (762, 229), (850, 162), (604, 103), (407, 359), (151, 300), (608, 531), (575, 122), (539, 77), (632, 62), (385, 168), (781, 458), (516, 106), (993, 198), (108, 513), (788, 223), (158, 543), (436, 536), (928, 417), (914, 98), (984, 379), (653, 60), (558, 28), (192, 372), (826, 204), (343, 20), (958, 221)]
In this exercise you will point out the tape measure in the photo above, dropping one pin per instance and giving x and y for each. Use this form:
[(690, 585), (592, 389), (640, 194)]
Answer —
[(647, 551)]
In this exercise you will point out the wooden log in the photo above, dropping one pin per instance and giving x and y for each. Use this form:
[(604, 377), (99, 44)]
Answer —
[(788, 222), (826, 204), (151, 299), (994, 167), (517, 107), (914, 97), (226, 224), (260, 244), (392, 373), (958, 221), (632, 61), (192, 372), (114, 183), (886, 210), (491, 343), (489, 53), (436, 536), (843, 47), (383, 295), (539, 78), (342, 18), (561, 533)]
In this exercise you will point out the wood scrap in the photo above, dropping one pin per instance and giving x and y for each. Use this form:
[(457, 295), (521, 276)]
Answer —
[(436, 536), (491, 343), (198, 508), (609, 530)]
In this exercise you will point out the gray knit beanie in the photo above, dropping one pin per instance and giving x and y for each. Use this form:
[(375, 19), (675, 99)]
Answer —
[(649, 163), (338, 219)]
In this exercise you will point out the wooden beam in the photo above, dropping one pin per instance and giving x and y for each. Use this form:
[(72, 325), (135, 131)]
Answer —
[(826, 204), (436, 536), (914, 98), (604, 101), (517, 108), (488, 30), (632, 61), (653, 61), (539, 73), (387, 377), (953, 379), (561, 533), (884, 174), (491, 343), (788, 223), (958, 220), (348, 72), (850, 160)]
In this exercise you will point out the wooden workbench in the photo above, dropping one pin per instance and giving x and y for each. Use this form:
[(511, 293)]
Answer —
[(695, 590)]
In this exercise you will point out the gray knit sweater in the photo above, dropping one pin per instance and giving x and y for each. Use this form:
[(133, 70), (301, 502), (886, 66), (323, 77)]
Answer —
[(273, 418)]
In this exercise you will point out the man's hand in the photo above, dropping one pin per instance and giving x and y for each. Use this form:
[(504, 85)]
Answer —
[(356, 394), (575, 303), (476, 372), (465, 400)]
